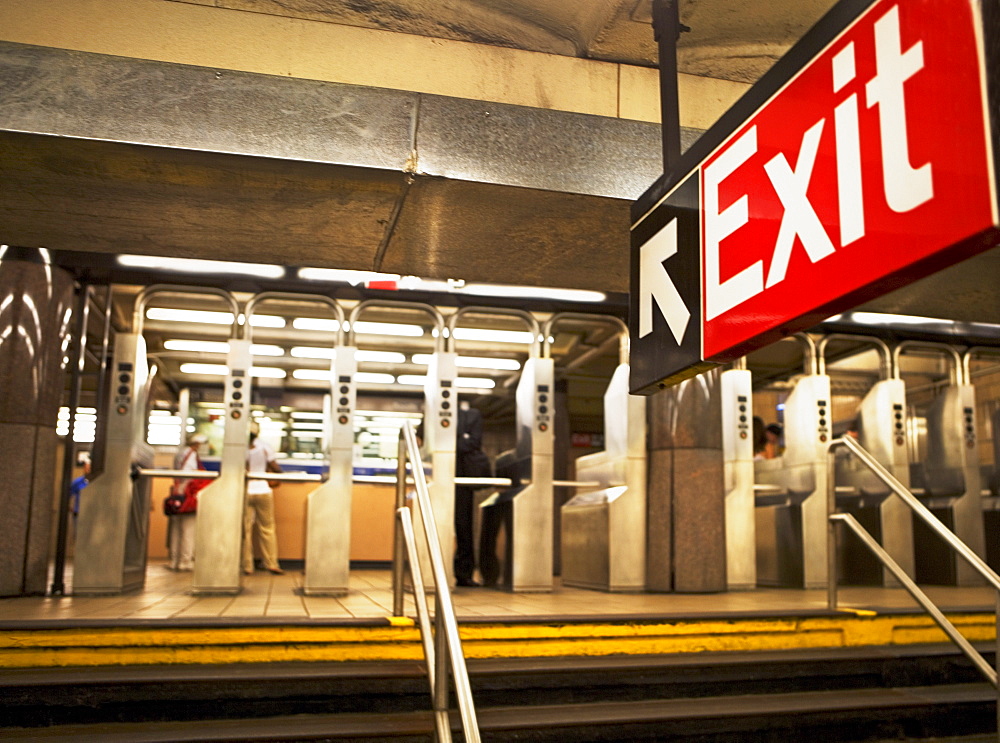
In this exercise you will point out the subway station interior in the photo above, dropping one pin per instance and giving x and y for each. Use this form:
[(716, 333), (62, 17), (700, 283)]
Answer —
[(338, 227)]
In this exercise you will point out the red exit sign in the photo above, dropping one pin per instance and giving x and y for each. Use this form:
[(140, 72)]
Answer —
[(865, 162)]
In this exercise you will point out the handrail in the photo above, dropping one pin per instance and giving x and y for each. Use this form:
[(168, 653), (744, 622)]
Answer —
[(142, 299), (427, 309), (967, 359), (528, 318), (622, 328), (256, 299), (446, 649), (881, 345), (947, 350), (922, 598), (931, 520)]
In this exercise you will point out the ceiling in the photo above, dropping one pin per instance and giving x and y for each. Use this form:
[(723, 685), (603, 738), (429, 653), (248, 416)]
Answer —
[(730, 39)]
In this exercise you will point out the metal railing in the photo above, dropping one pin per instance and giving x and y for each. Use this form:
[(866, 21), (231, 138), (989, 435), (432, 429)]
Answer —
[(442, 645), (935, 525)]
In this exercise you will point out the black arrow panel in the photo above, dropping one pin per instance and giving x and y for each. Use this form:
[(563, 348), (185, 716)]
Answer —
[(657, 359)]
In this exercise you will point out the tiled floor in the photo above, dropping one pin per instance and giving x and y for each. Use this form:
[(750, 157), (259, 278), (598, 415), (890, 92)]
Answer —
[(167, 596)]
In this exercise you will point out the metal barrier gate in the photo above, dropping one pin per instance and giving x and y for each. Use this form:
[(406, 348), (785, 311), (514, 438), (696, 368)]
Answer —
[(440, 413), (791, 519), (881, 420), (947, 478), (530, 536), (738, 471), (219, 527), (603, 531)]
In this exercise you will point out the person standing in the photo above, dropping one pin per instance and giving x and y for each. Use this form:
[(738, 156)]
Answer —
[(259, 509), (181, 526), (470, 461)]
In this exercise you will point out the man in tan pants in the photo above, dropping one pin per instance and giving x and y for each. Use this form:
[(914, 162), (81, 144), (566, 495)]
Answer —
[(259, 509)]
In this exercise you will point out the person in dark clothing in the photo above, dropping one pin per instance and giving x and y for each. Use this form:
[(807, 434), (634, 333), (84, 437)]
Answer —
[(470, 461)]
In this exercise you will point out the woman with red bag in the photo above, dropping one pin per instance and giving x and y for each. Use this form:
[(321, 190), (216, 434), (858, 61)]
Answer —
[(181, 526)]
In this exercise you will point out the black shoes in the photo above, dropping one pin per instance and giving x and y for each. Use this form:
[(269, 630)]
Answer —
[(466, 583)]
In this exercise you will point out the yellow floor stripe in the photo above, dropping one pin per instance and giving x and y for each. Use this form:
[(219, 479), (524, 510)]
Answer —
[(401, 640)]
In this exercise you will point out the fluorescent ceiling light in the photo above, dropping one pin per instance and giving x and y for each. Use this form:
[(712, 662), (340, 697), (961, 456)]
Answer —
[(307, 426), (494, 336), (473, 362), (212, 369), (221, 370), (198, 265), (319, 352), (385, 357), (367, 328), (312, 352), (478, 383), (878, 318), (308, 416), (532, 292), (344, 276), (323, 375), (417, 380), (316, 323), (468, 382), (208, 317), (270, 372), (388, 328), (373, 378), (317, 375), (257, 349)]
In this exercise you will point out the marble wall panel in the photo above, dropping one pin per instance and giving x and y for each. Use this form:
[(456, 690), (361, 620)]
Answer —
[(35, 312), (687, 415), (699, 539), (18, 439), (659, 521)]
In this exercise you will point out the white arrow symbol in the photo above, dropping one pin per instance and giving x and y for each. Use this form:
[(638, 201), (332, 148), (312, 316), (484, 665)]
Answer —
[(655, 284)]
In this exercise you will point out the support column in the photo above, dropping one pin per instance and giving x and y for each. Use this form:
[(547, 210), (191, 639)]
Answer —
[(686, 549), (35, 307)]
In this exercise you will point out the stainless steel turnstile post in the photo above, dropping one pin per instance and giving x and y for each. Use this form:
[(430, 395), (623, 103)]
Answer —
[(603, 528), (949, 472), (792, 537), (113, 520), (737, 459)]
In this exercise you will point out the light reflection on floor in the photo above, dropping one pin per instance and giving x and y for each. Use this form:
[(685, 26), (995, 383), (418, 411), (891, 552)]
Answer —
[(167, 595)]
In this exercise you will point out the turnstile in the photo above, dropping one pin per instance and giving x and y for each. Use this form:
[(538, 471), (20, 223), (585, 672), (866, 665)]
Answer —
[(738, 470), (603, 531), (328, 509), (947, 476), (219, 528), (440, 418), (881, 421), (528, 508), (791, 534), (113, 521)]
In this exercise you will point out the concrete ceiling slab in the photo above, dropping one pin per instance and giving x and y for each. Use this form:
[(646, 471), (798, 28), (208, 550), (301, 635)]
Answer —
[(73, 194), (730, 39)]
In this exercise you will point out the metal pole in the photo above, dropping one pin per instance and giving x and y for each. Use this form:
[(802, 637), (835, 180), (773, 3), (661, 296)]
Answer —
[(100, 440), (831, 530), (666, 31), (441, 670), (69, 452), (398, 547)]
